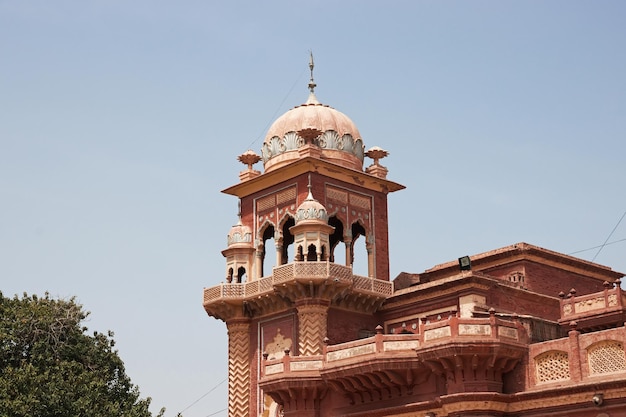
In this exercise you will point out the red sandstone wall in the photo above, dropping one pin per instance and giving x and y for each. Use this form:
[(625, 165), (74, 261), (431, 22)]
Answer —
[(548, 280), (344, 326), (381, 236), (507, 299)]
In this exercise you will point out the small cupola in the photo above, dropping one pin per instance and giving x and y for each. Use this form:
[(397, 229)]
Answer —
[(311, 231), (240, 252)]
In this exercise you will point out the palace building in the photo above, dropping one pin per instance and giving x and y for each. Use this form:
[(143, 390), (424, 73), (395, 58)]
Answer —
[(519, 331)]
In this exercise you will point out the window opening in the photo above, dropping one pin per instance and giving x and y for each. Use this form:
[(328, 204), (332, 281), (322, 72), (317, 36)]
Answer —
[(288, 239), (311, 255), (241, 274), (337, 246), (360, 259), (269, 251)]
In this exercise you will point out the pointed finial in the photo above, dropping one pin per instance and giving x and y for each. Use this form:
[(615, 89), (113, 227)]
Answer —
[(310, 196), (239, 212), (312, 84)]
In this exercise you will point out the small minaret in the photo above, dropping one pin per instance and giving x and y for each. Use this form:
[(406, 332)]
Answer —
[(240, 252), (311, 231)]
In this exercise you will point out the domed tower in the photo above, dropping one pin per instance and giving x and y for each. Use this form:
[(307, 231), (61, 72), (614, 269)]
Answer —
[(305, 221), (311, 232), (239, 254)]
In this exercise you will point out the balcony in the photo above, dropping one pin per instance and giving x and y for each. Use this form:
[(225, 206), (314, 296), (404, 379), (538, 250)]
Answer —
[(601, 310), (294, 280), (470, 353)]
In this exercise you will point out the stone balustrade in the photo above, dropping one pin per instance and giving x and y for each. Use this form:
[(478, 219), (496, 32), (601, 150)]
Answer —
[(574, 306), (294, 272), (451, 330)]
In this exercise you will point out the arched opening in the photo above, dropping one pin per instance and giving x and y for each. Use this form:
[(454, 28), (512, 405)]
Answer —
[(229, 278), (324, 256), (299, 256), (360, 259), (337, 250), (288, 239), (311, 255), (241, 274), (268, 257)]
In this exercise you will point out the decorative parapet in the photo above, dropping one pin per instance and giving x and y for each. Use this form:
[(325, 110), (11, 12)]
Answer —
[(454, 330), (292, 364), (578, 358), (606, 307), (335, 274)]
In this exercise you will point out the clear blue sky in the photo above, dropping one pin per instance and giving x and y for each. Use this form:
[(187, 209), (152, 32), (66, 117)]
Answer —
[(121, 121)]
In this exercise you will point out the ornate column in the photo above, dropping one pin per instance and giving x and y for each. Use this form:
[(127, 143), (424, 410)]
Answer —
[(238, 367), (371, 267), (312, 326), (347, 239), (279, 249), (258, 264)]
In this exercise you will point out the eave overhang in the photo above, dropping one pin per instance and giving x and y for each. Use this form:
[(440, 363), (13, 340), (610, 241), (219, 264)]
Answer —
[(310, 164), (526, 252)]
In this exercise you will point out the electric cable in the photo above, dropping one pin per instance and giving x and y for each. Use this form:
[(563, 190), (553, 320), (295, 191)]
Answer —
[(277, 110), (609, 236), (596, 247), (204, 395)]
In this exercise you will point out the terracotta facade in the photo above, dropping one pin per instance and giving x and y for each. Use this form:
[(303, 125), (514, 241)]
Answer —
[(519, 331)]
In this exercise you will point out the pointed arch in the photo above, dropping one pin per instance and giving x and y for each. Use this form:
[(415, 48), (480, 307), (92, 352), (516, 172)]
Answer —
[(311, 255), (287, 240), (337, 252), (324, 253), (267, 231), (241, 274), (358, 248)]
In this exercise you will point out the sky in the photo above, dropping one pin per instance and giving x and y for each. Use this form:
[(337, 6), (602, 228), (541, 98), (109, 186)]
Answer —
[(121, 122)]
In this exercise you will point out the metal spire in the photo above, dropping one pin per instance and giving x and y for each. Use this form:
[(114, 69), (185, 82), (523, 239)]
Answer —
[(310, 196), (312, 84), (239, 212)]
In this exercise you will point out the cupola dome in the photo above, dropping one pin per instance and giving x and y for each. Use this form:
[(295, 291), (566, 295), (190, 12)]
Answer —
[(317, 125), (311, 211), (239, 235)]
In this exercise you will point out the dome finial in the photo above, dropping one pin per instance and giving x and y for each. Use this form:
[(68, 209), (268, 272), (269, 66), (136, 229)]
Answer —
[(310, 196), (312, 84), (312, 100)]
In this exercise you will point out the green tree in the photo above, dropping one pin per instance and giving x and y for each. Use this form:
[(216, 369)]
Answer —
[(50, 366)]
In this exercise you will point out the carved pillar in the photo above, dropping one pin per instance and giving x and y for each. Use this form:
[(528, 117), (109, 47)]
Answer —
[(238, 368), (279, 251), (371, 268), (312, 322), (575, 370), (347, 239), (259, 262)]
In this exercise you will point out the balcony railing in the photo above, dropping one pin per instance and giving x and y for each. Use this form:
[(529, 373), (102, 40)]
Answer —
[(575, 306), (452, 330), (295, 271)]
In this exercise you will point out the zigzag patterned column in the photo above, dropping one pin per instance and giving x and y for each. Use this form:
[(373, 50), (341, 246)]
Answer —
[(312, 322), (238, 368)]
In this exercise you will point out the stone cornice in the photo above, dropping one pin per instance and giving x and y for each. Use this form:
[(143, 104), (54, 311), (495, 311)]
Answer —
[(527, 252), (309, 164)]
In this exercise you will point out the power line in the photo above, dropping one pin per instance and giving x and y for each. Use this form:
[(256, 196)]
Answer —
[(609, 236), (277, 110), (207, 393), (217, 412), (596, 247)]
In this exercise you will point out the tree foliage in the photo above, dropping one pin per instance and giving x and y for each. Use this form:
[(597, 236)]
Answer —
[(50, 366)]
